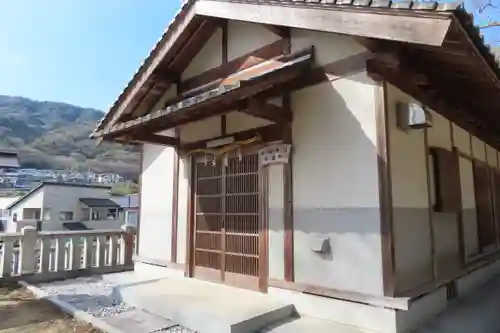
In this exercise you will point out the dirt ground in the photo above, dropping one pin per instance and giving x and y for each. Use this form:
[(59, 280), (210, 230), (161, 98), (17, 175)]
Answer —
[(21, 312)]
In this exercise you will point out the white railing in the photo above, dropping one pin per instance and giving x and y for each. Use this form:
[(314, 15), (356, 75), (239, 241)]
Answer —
[(47, 256)]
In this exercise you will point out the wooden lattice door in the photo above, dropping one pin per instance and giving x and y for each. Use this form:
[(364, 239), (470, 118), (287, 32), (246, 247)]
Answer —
[(226, 232)]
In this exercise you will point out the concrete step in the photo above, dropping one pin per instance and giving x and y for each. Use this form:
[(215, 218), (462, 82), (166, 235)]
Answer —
[(309, 325), (206, 307)]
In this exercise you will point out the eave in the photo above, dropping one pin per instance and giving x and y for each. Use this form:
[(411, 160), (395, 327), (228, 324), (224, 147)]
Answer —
[(425, 24)]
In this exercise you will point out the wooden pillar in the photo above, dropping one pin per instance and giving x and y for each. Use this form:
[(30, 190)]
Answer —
[(274, 249)]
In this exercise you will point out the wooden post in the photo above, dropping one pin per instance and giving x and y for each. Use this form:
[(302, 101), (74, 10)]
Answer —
[(28, 244), (128, 246)]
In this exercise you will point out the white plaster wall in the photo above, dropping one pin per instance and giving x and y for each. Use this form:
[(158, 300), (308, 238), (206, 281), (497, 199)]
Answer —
[(182, 211), (478, 149), (462, 141), (471, 240), (335, 185), (411, 227), (276, 222), (201, 130), (244, 37), (327, 47), (156, 202), (169, 94), (209, 57), (238, 121), (491, 156)]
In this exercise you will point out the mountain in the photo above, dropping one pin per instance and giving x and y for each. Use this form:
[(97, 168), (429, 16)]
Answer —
[(55, 135)]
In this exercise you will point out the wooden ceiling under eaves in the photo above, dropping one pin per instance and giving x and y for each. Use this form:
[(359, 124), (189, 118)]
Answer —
[(169, 70), (455, 79)]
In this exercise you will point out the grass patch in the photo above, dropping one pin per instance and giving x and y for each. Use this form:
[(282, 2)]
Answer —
[(22, 312)]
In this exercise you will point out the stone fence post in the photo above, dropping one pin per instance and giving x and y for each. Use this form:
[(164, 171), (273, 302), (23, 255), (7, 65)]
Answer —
[(27, 257), (128, 248)]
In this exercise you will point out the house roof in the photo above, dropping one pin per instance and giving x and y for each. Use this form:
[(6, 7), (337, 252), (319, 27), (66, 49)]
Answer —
[(127, 201), (187, 11), (9, 159), (99, 203), (75, 226), (49, 183)]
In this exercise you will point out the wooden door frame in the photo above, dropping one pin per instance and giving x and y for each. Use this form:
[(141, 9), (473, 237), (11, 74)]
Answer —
[(263, 243)]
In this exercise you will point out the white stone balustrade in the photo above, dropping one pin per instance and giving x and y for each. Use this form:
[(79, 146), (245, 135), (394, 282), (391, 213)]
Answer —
[(47, 256)]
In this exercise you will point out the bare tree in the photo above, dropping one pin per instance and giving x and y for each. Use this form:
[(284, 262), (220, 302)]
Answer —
[(485, 13)]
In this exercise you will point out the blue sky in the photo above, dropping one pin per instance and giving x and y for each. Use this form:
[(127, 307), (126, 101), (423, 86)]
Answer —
[(82, 52)]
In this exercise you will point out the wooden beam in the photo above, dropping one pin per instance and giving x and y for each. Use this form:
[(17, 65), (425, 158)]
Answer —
[(218, 101), (166, 76), (155, 139), (267, 133), (217, 74), (224, 60), (261, 109), (277, 30), (412, 27), (193, 45)]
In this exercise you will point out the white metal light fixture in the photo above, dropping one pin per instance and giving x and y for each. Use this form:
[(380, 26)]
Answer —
[(412, 116)]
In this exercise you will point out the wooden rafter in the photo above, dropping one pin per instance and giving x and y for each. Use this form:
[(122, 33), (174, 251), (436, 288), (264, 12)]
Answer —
[(155, 139), (261, 109), (228, 96), (215, 75), (283, 32), (171, 73), (437, 98), (194, 45)]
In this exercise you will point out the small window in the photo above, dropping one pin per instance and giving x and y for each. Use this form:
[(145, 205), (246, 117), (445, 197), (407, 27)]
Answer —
[(96, 216), (112, 214), (47, 214), (66, 216), (14, 217)]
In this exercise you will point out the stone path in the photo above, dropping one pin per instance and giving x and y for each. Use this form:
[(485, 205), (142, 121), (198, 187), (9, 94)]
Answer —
[(98, 296)]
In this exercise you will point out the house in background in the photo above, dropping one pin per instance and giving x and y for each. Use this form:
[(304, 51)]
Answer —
[(8, 161), (342, 157), (129, 205), (65, 206), (4, 212)]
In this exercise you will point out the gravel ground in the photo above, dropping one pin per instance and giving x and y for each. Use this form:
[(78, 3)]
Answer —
[(100, 298)]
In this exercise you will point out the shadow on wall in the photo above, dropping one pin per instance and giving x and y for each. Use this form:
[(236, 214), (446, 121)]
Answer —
[(335, 186)]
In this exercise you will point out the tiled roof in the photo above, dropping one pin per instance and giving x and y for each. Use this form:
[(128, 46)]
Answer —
[(465, 19), (172, 25)]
